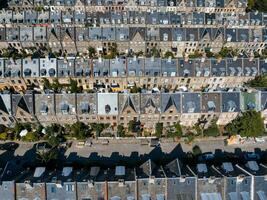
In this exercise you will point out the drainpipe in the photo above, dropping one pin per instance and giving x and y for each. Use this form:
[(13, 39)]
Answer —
[(252, 182), (136, 189), (106, 190)]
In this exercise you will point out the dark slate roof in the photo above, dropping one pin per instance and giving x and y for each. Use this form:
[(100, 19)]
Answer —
[(191, 102), (168, 100), (3, 105), (130, 103), (25, 102), (230, 102)]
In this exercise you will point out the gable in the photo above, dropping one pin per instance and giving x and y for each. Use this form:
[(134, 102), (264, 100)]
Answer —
[(3, 106), (137, 37), (129, 105), (23, 105)]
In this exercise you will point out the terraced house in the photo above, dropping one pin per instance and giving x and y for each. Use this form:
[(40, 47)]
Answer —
[(175, 181), (122, 108), (122, 73), (180, 26)]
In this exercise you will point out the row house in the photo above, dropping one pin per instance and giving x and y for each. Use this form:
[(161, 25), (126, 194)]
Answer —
[(82, 18), (179, 40), (121, 5), (121, 108), (121, 73), (174, 180)]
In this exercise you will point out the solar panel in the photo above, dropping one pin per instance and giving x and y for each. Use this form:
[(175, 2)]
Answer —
[(211, 196), (262, 195), (228, 167), (160, 197), (202, 168), (38, 171), (245, 195), (145, 197), (66, 171), (94, 171), (120, 171), (115, 198), (233, 196), (253, 165)]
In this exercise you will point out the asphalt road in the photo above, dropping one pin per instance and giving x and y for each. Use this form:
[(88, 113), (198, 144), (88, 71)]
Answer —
[(126, 148)]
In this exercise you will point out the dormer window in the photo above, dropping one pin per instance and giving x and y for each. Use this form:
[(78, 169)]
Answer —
[(107, 109)]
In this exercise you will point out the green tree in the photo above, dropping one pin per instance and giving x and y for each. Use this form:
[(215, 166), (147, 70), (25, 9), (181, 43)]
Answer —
[(80, 130), (17, 129), (46, 84), (248, 124), (196, 150), (53, 141), (178, 131), (120, 131), (46, 157), (212, 130), (159, 129), (169, 54), (155, 52), (260, 5), (258, 82), (92, 52), (196, 54), (131, 126), (74, 87), (56, 86), (135, 89), (98, 128), (30, 137)]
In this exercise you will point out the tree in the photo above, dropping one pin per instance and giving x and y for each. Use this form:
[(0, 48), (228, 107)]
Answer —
[(196, 150), (159, 129), (168, 54), (56, 86), (74, 87), (178, 131), (46, 84), (46, 157), (120, 131), (30, 137), (80, 130), (196, 54), (92, 52), (54, 141), (212, 130), (131, 126), (98, 128), (260, 5), (248, 124), (155, 52), (17, 129), (226, 52), (258, 82), (135, 89)]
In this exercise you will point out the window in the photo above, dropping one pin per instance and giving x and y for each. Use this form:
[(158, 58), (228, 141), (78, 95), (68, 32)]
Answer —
[(53, 190), (69, 187)]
